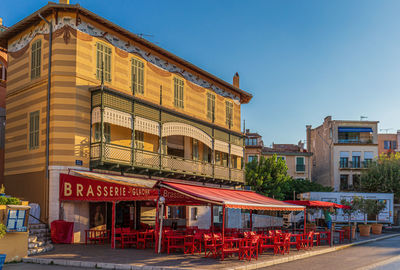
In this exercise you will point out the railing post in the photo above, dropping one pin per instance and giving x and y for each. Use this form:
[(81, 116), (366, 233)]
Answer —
[(101, 125), (160, 131), (133, 135)]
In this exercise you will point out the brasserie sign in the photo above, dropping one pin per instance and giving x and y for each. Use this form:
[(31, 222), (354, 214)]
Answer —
[(74, 188)]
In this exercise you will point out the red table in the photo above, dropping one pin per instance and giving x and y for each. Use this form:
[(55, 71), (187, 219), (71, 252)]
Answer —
[(62, 232), (128, 238)]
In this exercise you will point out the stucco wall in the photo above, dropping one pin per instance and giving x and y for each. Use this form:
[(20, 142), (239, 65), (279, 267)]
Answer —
[(15, 245), (77, 212)]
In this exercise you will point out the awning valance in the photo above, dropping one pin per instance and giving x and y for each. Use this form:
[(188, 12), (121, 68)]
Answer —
[(354, 129), (112, 116), (319, 204), (230, 198)]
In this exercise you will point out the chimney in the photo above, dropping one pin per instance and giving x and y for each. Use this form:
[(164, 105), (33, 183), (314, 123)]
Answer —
[(308, 127), (66, 2), (328, 118), (236, 80)]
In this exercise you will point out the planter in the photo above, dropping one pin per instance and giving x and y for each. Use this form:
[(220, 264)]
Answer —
[(364, 229), (376, 228), (347, 231)]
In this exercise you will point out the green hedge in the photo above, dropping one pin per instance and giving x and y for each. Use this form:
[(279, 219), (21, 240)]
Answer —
[(10, 200)]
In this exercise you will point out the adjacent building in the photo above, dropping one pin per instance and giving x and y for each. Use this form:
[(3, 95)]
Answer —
[(116, 103), (341, 150), (3, 80), (388, 143), (296, 157)]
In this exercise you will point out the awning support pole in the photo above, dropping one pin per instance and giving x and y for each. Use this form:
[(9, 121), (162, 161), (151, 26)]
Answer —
[(161, 226), (156, 228), (223, 224), (212, 218), (113, 225), (251, 220), (305, 219)]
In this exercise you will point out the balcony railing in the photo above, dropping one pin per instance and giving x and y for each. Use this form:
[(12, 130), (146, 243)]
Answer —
[(354, 165), (356, 141), (141, 158), (300, 168)]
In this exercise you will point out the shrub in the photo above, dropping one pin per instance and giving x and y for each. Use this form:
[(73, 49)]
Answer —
[(2, 230)]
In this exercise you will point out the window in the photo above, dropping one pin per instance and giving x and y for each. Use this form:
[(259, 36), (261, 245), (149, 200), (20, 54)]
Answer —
[(3, 72), (195, 150), (107, 132), (224, 159), (34, 119), (251, 158), (368, 156), (356, 159), (210, 106), (139, 139), (390, 145), (206, 154), (36, 58), (178, 93), (281, 158), (234, 163), (251, 141), (344, 159), (229, 113), (300, 164), (175, 212), (137, 76), (344, 182), (16, 220), (103, 62)]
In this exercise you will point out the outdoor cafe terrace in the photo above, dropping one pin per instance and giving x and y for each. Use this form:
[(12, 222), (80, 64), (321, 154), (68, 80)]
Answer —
[(215, 242)]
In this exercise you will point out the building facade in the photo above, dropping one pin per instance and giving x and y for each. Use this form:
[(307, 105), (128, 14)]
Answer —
[(118, 103), (297, 158), (388, 143), (341, 150)]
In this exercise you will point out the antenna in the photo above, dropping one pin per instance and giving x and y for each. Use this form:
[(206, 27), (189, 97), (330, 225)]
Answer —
[(363, 118), (385, 129)]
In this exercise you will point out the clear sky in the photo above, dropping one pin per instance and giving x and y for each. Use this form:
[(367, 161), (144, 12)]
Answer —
[(301, 60)]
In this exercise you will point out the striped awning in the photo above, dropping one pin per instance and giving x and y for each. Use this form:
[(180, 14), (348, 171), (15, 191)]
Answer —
[(229, 198)]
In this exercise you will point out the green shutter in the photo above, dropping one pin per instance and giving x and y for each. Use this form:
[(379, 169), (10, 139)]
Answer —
[(137, 76), (178, 93), (103, 62), (34, 120), (36, 55)]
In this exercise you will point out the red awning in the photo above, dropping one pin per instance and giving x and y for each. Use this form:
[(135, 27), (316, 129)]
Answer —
[(228, 197), (319, 204)]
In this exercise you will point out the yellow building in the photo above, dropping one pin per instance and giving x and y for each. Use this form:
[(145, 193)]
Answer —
[(116, 103)]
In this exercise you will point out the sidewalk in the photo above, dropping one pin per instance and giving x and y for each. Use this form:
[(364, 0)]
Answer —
[(102, 256)]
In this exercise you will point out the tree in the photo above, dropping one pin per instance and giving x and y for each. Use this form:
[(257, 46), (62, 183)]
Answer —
[(383, 175), (269, 177)]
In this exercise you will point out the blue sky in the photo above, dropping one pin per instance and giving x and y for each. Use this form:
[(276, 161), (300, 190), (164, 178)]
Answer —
[(301, 60)]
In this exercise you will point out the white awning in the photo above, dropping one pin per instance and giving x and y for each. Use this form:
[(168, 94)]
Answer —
[(112, 116)]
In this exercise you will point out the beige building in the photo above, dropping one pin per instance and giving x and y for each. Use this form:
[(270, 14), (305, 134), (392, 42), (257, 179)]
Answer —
[(341, 150), (388, 143), (296, 157)]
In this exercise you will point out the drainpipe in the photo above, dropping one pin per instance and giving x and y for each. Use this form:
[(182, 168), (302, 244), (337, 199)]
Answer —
[(48, 99)]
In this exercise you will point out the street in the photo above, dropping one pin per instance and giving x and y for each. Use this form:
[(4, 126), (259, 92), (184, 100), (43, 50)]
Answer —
[(369, 256)]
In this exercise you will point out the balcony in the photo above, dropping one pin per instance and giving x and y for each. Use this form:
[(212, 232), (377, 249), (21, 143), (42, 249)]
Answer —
[(121, 156), (354, 165), (300, 168)]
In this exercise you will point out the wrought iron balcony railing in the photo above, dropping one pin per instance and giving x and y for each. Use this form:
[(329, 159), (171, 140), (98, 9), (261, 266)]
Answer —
[(122, 155), (354, 165)]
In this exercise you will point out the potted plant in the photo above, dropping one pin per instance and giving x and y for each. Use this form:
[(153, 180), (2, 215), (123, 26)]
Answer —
[(362, 205), (376, 209), (349, 212)]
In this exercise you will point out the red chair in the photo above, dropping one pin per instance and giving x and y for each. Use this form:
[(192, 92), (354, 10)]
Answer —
[(141, 240), (117, 235), (249, 248), (307, 241), (229, 249), (149, 236), (266, 242), (97, 236), (210, 246), (188, 244), (281, 243)]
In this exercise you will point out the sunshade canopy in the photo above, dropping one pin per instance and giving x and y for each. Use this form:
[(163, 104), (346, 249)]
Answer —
[(319, 204), (227, 197)]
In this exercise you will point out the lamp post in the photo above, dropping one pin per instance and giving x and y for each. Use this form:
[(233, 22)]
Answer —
[(161, 202)]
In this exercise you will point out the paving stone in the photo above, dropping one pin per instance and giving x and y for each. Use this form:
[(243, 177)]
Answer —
[(106, 265)]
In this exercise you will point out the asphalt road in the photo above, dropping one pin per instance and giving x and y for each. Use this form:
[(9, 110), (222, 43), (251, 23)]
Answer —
[(379, 255)]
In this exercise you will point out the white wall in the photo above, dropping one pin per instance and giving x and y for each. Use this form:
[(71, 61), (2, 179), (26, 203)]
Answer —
[(77, 212)]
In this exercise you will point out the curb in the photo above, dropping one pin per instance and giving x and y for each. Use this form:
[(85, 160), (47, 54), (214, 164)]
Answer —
[(255, 265)]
